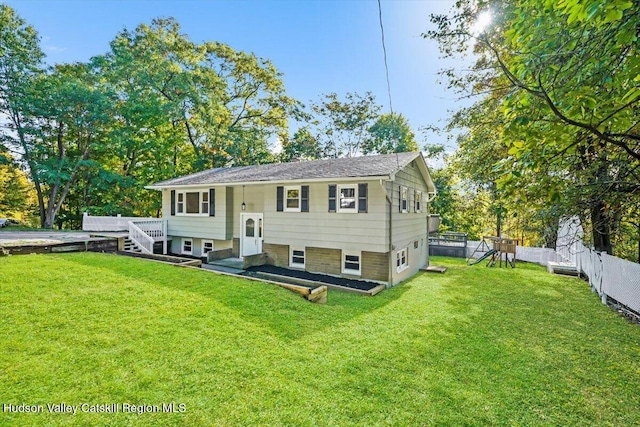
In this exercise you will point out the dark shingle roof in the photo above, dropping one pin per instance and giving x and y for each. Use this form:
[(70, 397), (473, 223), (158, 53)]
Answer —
[(366, 166)]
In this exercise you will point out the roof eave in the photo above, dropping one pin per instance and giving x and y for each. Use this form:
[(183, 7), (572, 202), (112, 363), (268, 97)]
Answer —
[(283, 181)]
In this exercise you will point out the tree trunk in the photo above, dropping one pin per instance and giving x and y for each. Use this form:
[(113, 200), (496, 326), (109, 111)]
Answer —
[(601, 228), (49, 218)]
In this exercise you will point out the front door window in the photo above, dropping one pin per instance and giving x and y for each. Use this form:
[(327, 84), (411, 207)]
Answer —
[(250, 228)]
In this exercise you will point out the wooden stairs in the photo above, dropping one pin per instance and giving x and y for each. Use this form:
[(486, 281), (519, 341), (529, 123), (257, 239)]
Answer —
[(131, 246)]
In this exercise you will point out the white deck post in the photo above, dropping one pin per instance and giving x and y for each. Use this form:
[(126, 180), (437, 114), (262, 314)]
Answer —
[(164, 236)]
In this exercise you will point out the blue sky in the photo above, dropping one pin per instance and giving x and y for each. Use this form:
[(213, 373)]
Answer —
[(321, 46)]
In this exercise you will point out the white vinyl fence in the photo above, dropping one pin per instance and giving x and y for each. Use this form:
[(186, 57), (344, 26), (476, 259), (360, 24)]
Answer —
[(610, 276)]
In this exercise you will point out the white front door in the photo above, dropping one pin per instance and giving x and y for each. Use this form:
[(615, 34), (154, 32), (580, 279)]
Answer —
[(250, 234)]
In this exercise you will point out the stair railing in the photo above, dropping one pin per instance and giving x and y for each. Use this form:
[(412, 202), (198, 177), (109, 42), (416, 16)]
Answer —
[(140, 238)]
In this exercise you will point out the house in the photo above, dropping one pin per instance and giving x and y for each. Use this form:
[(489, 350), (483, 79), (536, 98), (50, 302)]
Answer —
[(360, 217)]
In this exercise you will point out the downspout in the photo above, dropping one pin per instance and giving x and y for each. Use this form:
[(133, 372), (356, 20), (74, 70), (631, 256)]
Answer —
[(390, 258)]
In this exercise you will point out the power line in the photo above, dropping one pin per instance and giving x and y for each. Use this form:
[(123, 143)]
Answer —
[(384, 51)]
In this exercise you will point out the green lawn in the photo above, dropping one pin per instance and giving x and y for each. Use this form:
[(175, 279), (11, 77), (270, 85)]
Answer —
[(475, 346)]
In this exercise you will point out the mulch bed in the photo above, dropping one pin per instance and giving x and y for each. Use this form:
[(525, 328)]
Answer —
[(323, 278)]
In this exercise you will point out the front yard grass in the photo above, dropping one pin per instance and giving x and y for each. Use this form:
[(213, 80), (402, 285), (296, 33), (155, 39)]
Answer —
[(475, 346)]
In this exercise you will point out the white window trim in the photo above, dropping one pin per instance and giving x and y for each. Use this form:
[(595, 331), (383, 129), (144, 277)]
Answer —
[(295, 264), (404, 200), (184, 240), (347, 270), (184, 203), (339, 194), (286, 191), (418, 197), (202, 246), (402, 267)]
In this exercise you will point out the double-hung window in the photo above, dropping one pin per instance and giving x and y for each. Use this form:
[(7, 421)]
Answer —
[(348, 197), (292, 195), (418, 201), (404, 199), (292, 198), (205, 203), (180, 204), (402, 259)]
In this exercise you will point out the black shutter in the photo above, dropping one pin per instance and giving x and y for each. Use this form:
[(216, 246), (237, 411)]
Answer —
[(173, 202), (362, 197), (400, 198), (332, 198), (279, 199), (304, 198), (212, 202)]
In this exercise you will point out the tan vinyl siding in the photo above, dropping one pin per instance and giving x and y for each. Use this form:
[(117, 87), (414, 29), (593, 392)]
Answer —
[(323, 229), (254, 196), (228, 210), (417, 259), (411, 226), (204, 227)]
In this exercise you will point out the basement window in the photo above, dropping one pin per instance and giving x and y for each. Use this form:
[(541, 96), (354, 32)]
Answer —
[(207, 246), (296, 258), (187, 246), (402, 260), (351, 263)]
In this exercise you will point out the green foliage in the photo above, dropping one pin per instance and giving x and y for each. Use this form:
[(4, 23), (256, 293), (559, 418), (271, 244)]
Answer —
[(476, 346), (302, 146), (555, 124), (17, 199), (390, 133), (342, 126), (155, 106)]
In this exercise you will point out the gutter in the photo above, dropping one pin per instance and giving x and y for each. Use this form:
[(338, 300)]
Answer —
[(280, 181)]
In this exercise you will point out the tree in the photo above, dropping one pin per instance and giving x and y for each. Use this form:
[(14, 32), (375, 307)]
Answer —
[(302, 146), (390, 133), (68, 122), (564, 78), (342, 126), (16, 198), (20, 64)]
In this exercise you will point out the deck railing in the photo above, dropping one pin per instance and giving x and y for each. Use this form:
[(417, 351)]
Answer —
[(154, 229)]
